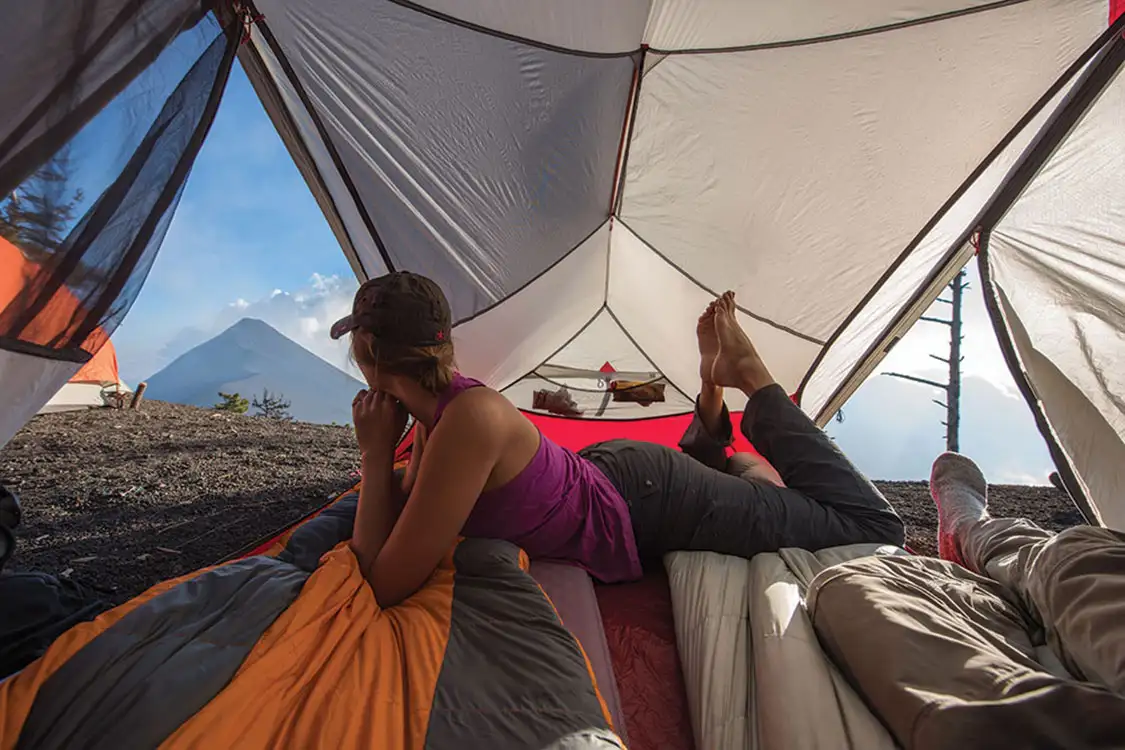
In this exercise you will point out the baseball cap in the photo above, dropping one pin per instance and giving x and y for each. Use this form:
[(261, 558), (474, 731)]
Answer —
[(402, 308)]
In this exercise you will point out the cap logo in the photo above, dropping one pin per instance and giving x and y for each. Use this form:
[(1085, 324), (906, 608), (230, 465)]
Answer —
[(441, 335)]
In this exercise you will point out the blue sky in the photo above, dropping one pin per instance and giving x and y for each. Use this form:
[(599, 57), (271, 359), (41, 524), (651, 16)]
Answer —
[(249, 240), (246, 226)]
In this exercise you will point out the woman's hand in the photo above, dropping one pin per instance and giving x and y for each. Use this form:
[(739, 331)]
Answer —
[(379, 421)]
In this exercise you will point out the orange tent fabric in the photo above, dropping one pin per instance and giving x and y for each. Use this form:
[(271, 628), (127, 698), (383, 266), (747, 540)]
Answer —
[(23, 281), (101, 369)]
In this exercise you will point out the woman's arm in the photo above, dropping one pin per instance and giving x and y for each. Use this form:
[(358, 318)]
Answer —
[(415, 458), (377, 509), (378, 420), (458, 460)]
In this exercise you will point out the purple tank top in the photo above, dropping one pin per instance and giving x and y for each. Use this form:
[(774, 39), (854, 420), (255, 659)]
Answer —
[(560, 507)]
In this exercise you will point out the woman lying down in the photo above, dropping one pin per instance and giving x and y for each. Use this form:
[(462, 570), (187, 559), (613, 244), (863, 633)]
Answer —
[(1014, 639), (482, 469)]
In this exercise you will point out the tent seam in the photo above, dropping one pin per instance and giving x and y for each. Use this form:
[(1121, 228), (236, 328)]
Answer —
[(536, 374), (565, 344), (1070, 112), (329, 145), (533, 279), (641, 349), (843, 35), (944, 209), (469, 25), (610, 420), (631, 109), (692, 279)]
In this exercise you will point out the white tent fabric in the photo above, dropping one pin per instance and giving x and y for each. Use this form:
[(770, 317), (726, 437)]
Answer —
[(795, 168), (1057, 259), (29, 383), (797, 175), (593, 26), (912, 286), (79, 396), (717, 24), (481, 160)]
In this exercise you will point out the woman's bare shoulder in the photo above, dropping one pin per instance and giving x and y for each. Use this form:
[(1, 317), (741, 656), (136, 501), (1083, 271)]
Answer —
[(485, 405)]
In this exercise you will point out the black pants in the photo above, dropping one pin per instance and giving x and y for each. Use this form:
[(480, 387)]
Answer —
[(678, 503), (35, 609)]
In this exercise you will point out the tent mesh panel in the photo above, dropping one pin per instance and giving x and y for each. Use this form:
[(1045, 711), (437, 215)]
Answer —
[(90, 217)]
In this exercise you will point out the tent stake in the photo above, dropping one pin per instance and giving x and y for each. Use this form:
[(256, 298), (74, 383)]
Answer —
[(138, 395)]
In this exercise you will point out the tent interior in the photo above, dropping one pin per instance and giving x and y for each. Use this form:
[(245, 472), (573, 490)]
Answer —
[(581, 178)]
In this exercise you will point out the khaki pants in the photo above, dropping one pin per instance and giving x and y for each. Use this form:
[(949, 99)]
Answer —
[(948, 658)]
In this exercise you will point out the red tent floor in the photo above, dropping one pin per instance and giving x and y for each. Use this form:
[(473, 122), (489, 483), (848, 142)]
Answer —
[(642, 645)]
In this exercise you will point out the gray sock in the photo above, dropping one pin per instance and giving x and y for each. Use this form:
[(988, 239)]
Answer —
[(961, 493)]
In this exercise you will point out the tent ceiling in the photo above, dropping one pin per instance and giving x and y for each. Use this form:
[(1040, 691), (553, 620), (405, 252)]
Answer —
[(481, 160), (800, 195), (913, 285), (589, 26), (480, 146)]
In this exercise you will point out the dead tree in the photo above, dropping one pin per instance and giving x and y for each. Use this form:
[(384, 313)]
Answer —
[(952, 388)]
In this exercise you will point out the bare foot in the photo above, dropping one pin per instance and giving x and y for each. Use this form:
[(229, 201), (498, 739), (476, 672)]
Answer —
[(737, 364), (708, 342)]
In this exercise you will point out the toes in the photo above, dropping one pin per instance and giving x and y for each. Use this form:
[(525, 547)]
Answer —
[(728, 303)]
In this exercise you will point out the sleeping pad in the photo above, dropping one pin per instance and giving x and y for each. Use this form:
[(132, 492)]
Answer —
[(290, 649)]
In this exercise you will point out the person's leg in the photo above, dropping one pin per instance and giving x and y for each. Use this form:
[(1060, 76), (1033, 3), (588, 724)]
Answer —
[(677, 503), (944, 658), (1072, 582), (805, 457), (811, 463)]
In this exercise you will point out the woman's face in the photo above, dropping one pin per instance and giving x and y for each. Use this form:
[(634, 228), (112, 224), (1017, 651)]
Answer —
[(371, 375)]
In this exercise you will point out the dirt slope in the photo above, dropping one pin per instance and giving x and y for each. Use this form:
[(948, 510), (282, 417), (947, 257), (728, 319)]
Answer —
[(123, 499)]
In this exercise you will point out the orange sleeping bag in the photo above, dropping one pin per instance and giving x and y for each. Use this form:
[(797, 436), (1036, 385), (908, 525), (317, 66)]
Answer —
[(290, 649)]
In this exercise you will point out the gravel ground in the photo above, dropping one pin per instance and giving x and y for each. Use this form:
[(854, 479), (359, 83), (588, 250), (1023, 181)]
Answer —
[(1046, 506), (123, 499)]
